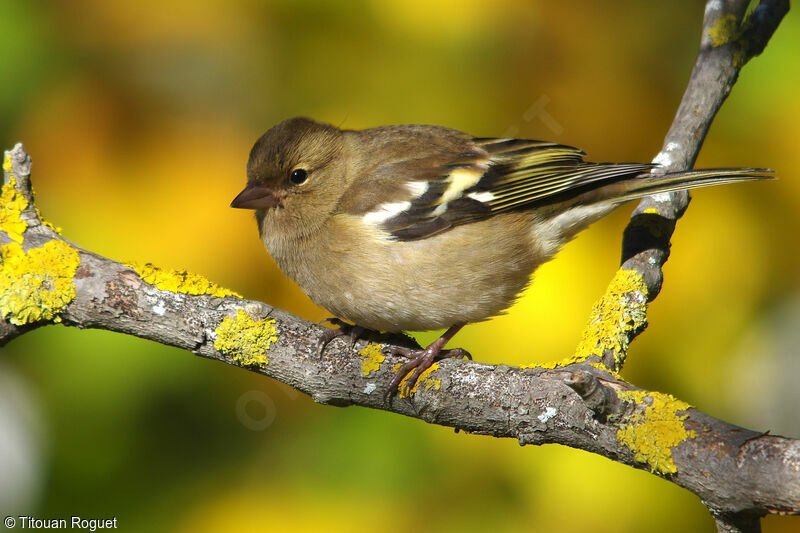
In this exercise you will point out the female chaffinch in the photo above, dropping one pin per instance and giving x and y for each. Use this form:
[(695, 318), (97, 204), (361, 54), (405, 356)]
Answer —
[(418, 227)]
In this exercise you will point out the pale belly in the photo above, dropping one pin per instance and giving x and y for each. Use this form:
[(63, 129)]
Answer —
[(452, 278)]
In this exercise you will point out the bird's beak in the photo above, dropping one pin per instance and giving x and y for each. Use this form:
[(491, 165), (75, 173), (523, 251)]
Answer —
[(256, 196)]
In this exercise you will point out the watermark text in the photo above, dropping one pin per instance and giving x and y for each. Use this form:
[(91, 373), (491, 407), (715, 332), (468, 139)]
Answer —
[(73, 522)]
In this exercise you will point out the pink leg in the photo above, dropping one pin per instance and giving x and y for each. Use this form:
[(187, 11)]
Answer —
[(421, 360)]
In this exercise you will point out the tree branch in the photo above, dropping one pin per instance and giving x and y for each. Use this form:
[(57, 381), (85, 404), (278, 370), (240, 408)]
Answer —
[(728, 41), (581, 402)]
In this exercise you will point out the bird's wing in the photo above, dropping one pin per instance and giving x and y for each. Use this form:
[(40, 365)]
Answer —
[(435, 191)]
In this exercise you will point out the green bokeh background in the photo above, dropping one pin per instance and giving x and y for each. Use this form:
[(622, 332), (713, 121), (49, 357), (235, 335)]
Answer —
[(139, 117)]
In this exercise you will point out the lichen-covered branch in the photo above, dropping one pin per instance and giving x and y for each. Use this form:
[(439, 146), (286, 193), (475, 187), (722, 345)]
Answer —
[(728, 41), (579, 402)]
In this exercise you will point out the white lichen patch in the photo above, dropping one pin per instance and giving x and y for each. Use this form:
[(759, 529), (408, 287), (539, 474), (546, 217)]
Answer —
[(713, 5), (664, 157), (662, 197), (549, 413)]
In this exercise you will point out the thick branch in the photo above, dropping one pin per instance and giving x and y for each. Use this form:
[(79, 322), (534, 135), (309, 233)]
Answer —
[(578, 405)]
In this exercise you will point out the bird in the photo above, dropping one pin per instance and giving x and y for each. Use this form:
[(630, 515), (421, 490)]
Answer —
[(421, 227)]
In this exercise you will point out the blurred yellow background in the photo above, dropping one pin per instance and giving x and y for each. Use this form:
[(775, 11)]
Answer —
[(139, 117)]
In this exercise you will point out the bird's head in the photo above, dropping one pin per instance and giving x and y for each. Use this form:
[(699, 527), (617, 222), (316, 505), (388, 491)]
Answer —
[(294, 175)]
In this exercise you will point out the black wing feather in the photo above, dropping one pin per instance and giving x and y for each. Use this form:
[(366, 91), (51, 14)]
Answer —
[(501, 175)]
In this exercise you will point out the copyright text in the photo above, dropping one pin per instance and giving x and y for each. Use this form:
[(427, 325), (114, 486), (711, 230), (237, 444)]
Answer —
[(73, 522)]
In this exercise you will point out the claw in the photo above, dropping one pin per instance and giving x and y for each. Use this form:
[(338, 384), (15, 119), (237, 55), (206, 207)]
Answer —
[(421, 360), (351, 330)]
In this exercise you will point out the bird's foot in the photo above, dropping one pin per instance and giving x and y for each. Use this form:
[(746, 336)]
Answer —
[(421, 360), (353, 331)]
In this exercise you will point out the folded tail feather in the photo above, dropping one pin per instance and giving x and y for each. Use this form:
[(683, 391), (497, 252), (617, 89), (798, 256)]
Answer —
[(649, 184)]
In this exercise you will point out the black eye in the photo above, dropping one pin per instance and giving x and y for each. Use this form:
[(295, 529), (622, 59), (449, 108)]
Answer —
[(298, 176)]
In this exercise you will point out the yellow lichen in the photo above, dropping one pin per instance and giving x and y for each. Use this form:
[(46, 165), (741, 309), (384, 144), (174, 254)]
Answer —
[(615, 316), (373, 357), (651, 432), (245, 339), (612, 320), (727, 30), (45, 223), (179, 281), (424, 379), (48, 224), (551, 364), (36, 285), (724, 31), (12, 204)]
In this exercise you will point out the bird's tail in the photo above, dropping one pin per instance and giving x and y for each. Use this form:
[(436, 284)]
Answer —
[(647, 184)]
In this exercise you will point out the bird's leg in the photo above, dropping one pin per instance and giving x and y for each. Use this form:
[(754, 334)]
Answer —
[(351, 330), (421, 360)]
